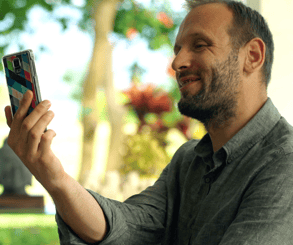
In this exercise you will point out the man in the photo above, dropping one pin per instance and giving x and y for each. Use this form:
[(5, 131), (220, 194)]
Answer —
[(234, 186)]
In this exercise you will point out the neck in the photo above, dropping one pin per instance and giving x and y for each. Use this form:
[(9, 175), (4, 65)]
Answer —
[(221, 136)]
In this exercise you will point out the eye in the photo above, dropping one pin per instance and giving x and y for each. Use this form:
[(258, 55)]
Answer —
[(198, 46)]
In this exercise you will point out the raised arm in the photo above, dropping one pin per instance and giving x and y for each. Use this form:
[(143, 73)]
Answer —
[(27, 139)]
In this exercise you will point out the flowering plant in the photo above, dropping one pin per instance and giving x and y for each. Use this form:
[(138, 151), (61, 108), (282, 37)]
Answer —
[(145, 99), (146, 151)]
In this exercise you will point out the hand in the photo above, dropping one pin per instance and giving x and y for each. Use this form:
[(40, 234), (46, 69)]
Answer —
[(28, 140)]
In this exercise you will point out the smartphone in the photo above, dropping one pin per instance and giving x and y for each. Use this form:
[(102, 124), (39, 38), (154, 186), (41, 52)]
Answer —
[(21, 76)]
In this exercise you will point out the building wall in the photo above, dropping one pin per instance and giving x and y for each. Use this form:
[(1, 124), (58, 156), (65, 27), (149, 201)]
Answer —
[(279, 17)]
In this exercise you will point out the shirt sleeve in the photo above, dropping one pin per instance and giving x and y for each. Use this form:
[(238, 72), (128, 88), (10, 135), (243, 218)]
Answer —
[(265, 215), (139, 220)]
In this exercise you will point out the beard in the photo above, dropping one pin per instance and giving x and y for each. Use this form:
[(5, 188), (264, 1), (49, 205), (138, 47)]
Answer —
[(215, 105)]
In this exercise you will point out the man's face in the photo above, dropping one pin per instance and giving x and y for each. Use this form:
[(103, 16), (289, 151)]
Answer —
[(212, 100)]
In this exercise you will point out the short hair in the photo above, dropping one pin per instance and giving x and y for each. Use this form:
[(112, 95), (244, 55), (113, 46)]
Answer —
[(246, 25)]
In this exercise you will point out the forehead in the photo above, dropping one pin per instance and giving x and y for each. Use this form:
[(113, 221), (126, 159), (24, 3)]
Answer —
[(210, 19)]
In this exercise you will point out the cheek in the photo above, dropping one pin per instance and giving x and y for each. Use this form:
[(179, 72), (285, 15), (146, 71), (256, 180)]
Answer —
[(202, 63), (202, 68)]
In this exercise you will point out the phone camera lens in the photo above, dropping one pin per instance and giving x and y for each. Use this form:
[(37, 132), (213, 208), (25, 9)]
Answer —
[(16, 63)]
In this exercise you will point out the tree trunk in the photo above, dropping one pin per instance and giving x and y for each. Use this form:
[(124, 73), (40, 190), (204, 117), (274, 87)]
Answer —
[(116, 114), (104, 16)]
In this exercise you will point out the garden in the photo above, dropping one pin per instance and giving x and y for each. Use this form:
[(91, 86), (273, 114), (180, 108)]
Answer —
[(24, 229)]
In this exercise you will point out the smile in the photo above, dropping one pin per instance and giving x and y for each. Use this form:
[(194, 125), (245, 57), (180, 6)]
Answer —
[(186, 84)]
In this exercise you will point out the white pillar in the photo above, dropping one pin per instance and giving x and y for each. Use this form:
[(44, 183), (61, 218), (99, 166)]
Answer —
[(254, 4), (279, 16)]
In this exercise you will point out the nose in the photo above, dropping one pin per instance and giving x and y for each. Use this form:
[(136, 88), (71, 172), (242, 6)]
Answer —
[(182, 61)]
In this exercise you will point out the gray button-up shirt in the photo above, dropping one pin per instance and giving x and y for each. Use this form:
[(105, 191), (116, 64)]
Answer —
[(241, 194)]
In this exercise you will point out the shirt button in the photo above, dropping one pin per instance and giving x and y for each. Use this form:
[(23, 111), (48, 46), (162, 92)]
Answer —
[(207, 180)]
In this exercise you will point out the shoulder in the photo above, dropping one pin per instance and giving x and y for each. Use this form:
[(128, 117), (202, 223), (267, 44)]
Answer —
[(276, 152), (278, 144)]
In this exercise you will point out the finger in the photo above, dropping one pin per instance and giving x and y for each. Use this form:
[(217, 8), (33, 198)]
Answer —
[(21, 112), (46, 141), (33, 118), (8, 115), (35, 134)]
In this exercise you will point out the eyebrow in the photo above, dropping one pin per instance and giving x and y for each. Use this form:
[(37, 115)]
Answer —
[(195, 35)]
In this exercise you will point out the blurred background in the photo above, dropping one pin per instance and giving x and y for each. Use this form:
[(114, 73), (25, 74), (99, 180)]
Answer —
[(105, 67)]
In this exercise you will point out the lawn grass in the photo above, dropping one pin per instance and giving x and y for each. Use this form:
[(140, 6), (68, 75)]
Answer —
[(26, 220), (29, 236), (32, 229)]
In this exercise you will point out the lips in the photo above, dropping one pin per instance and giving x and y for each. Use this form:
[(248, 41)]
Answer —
[(186, 80)]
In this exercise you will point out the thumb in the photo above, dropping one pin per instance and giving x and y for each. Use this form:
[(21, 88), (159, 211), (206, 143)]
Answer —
[(8, 115)]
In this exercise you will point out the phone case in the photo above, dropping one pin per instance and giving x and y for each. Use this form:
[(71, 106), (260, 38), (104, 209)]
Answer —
[(20, 73)]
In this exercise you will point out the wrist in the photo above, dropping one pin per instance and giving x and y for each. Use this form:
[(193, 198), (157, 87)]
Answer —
[(56, 185)]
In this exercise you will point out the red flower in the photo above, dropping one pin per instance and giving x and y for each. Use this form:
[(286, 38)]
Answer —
[(160, 104), (159, 126), (136, 96), (184, 125), (131, 33), (165, 20), (147, 100), (170, 70)]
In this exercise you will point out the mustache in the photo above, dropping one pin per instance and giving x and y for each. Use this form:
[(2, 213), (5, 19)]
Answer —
[(186, 73)]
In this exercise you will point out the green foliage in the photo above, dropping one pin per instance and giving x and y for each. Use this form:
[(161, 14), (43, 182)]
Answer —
[(131, 117), (132, 15), (30, 235), (75, 80), (170, 119), (129, 15), (151, 118), (16, 13), (144, 154)]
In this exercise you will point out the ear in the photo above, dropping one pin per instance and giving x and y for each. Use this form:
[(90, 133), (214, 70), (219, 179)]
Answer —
[(255, 55)]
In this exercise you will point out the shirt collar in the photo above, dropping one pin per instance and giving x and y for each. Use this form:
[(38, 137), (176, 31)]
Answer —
[(255, 130)]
